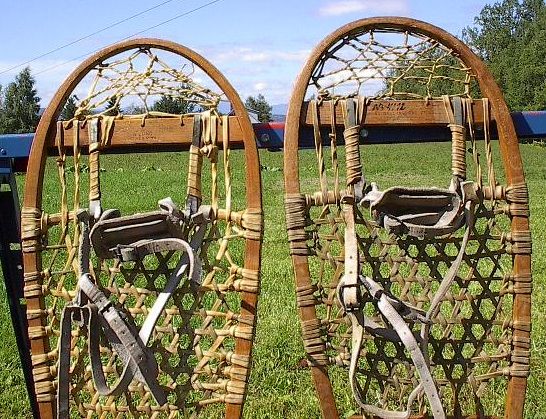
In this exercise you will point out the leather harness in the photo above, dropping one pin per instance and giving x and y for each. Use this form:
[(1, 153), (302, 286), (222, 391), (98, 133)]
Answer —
[(418, 212), (128, 238)]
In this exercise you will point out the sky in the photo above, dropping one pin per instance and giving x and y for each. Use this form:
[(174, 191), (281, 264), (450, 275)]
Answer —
[(260, 46)]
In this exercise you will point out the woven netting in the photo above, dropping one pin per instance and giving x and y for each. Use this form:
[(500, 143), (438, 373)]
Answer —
[(390, 64), (134, 82), (471, 346), (195, 338)]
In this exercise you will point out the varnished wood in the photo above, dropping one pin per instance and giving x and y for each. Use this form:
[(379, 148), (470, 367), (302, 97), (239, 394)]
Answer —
[(298, 116), (130, 133), (146, 133), (394, 113)]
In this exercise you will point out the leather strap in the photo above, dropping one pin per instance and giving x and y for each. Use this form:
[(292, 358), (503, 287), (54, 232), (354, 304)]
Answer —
[(138, 360), (396, 312), (192, 201), (418, 212), (348, 292), (407, 338), (65, 346), (113, 234), (348, 288), (93, 309), (94, 168), (469, 196), (99, 313)]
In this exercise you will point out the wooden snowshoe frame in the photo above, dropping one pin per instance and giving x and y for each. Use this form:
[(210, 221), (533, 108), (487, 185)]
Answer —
[(395, 70), (202, 342)]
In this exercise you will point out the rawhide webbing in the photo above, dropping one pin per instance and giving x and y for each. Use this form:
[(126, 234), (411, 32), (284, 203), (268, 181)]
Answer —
[(419, 212), (93, 309), (130, 238)]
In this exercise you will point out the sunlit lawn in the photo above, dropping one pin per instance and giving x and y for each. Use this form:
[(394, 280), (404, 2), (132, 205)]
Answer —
[(278, 388)]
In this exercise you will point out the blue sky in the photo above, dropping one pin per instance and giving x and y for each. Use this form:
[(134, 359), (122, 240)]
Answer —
[(260, 46)]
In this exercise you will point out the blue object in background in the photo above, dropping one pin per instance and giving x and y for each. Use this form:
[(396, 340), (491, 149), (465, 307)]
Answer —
[(15, 148)]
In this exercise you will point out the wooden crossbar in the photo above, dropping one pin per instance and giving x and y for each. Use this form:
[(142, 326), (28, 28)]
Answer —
[(176, 133), (394, 113), (165, 132)]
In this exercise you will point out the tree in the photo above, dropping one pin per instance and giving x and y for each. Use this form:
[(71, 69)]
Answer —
[(499, 25), (259, 105), (112, 106), (413, 78), (21, 105), (510, 36), (69, 109), (134, 109), (174, 105)]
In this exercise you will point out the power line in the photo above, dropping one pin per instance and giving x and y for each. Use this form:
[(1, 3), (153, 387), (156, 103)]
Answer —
[(171, 19), (130, 36), (119, 22)]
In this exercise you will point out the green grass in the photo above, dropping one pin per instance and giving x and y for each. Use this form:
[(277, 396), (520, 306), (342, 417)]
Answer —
[(278, 388)]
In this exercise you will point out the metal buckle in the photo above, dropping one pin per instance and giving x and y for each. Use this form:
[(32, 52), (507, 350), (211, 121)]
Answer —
[(118, 252), (104, 307)]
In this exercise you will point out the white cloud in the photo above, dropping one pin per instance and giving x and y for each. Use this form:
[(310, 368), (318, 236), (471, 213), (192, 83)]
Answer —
[(256, 68), (252, 55), (251, 69), (255, 57), (343, 7), (276, 91), (260, 86)]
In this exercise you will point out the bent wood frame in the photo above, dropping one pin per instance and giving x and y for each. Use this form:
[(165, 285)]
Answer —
[(44, 142), (296, 119)]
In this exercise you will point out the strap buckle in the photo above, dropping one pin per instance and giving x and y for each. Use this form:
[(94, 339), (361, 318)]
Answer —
[(203, 215), (104, 306), (124, 252), (349, 296), (408, 312)]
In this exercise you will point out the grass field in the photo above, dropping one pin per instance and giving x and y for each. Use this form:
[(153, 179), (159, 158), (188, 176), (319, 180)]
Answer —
[(278, 388)]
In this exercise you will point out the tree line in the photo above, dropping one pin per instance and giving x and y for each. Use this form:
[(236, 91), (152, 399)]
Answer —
[(20, 106), (510, 36)]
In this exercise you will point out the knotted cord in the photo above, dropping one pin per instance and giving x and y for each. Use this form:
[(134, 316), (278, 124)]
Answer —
[(471, 338), (200, 324)]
